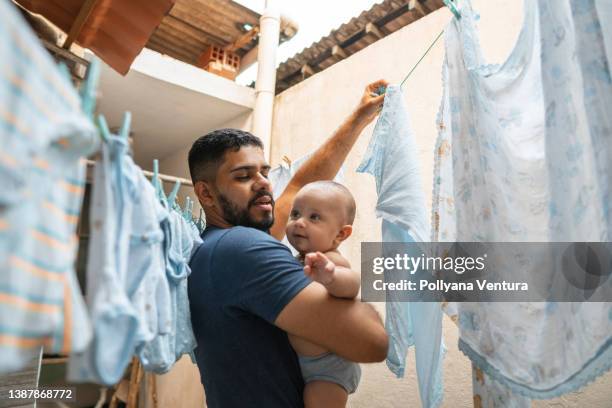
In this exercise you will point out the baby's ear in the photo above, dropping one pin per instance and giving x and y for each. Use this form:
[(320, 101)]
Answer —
[(344, 233)]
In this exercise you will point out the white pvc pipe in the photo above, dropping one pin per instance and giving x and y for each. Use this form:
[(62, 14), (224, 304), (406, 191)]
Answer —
[(288, 28), (269, 25)]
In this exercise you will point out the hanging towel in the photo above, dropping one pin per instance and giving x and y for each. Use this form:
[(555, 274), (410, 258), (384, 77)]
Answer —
[(44, 136), (524, 154), (392, 159)]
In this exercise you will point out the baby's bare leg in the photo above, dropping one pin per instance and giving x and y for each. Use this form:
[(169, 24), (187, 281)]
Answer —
[(326, 394)]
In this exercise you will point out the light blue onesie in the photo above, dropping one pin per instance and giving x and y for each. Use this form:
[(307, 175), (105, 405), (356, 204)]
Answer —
[(160, 354)]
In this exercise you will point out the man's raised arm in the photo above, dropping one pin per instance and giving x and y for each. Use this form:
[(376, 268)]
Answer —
[(326, 161), (349, 328)]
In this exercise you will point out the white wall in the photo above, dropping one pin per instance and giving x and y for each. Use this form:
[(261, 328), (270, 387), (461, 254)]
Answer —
[(309, 112)]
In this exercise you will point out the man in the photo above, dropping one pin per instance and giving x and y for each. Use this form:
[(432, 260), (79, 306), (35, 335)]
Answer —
[(247, 291)]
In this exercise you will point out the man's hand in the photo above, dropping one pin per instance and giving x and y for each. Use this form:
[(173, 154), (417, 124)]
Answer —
[(371, 102), (319, 268), (329, 157)]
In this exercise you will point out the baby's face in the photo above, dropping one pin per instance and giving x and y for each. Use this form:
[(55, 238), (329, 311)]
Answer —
[(315, 221)]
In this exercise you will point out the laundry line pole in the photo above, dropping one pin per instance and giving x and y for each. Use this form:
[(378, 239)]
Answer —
[(162, 177), (269, 24)]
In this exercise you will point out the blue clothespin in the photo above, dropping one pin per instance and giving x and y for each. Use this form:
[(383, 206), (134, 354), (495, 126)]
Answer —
[(88, 91), (201, 221), (157, 183), (190, 209), (173, 193), (186, 208), (453, 8), (124, 132), (187, 212), (381, 90), (103, 128)]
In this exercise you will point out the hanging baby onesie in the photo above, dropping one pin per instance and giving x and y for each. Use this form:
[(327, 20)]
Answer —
[(115, 320), (160, 354), (391, 158), (185, 341), (524, 154), (44, 136), (127, 289)]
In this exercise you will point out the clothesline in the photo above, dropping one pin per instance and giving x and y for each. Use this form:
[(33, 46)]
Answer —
[(162, 177)]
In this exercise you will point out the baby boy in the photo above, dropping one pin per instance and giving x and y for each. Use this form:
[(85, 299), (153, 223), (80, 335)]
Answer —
[(320, 220)]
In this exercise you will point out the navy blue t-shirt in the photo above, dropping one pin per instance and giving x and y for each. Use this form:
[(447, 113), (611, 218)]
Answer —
[(241, 279)]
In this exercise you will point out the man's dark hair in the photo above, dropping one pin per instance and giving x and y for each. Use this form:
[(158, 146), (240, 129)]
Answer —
[(206, 153)]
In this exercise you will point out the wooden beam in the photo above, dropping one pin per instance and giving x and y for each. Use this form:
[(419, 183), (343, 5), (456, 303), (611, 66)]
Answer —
[(134, 388), (338, 53), (64, 53), (371, 29), (214, 39), (416, 6), (79, 22), (306, 71), (243, 40)]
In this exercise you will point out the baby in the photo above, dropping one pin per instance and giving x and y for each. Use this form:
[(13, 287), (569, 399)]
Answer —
[(321, 218)]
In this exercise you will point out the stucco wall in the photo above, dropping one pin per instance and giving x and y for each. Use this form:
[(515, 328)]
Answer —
[(309, 112)]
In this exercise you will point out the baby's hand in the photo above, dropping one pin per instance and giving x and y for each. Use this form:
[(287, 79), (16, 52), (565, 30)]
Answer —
[(319, 268)]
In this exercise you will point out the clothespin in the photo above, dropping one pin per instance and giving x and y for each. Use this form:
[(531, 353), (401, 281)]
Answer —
[(88, 91), (379, 91), (186, 208), (173, 193), (103, 128), (124, 132), (190, 211), (201, 221), (453, 8), (157, 183)]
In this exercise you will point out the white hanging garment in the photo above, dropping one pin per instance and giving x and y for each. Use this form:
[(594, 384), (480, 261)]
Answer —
[(523, 155)]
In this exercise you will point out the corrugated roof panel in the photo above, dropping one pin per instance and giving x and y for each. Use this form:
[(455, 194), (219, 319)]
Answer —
[(387, 17)]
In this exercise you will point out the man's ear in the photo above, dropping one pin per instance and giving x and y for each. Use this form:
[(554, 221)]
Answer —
[(204, 193), (344, 233)]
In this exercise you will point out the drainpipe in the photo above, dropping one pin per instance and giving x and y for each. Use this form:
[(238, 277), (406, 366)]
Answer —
[(269, 24), (288, 30)]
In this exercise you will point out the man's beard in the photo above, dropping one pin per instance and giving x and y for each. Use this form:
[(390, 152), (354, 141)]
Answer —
[(236, 216)]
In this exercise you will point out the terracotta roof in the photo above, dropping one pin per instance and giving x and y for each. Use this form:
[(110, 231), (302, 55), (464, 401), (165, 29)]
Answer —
[(116, 30), (370, 26)]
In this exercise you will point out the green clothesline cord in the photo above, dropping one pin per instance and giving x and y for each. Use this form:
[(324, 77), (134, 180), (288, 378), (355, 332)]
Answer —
[(421, 59)]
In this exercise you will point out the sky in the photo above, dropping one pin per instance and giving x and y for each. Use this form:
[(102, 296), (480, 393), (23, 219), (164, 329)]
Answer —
[(315, 18)]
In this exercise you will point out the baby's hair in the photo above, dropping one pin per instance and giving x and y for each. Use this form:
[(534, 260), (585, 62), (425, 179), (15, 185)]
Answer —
[(350, 207)]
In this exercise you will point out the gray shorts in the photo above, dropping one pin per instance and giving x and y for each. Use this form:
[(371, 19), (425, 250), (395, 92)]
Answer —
[(332, 368)]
